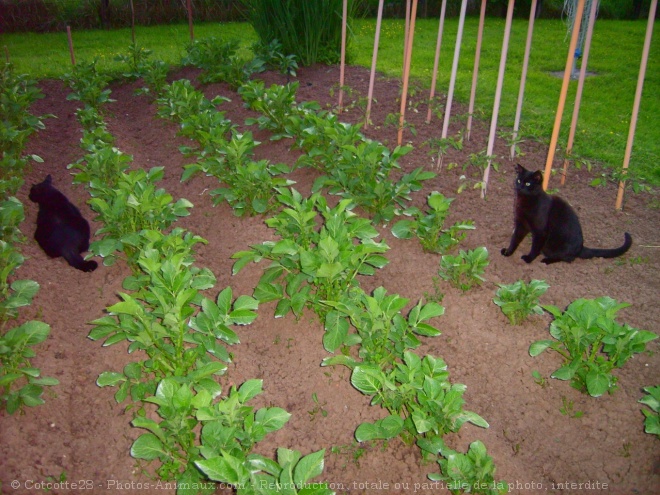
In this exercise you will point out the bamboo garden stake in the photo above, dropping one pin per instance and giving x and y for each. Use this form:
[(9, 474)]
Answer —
[(475, 69), (406, 70), (562, 94), (578, 94), (498, 94), (638, 99), (523, 77), (374, 58), (436, 61)]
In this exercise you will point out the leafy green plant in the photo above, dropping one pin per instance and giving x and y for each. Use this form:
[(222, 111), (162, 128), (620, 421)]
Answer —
[(519, 300), (440, 146), (473, 472), (466, 269), (89, 85), (272, 57), (132, 205), (652, 414), (313, 263), (181, 101), (252, 186), (429, 227), (168, 319), (591, 343), (362, 172), (20, 382)]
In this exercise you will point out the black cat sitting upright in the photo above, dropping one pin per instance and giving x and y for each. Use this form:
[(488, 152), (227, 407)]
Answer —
[(61, 229), (554, 225)]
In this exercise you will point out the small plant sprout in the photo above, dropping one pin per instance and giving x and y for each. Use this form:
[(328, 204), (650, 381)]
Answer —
[(519, 300), (592, 343), (318, 408), (466, 269), (568, 408), (652, 414)]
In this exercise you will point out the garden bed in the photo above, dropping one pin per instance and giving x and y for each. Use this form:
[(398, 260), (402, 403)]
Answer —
[(542, 436)]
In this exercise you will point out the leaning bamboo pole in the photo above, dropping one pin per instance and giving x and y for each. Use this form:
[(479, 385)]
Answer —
[(636, 103), (523, 77), (406, 71), (190, 21), (374, 58), (562, 94), (498, 94), (342, 63), (436, 61), (454, 69), (580, 88), (70, 40), (475, 69)]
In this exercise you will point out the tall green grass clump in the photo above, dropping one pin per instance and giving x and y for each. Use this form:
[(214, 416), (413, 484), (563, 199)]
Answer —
[(309, 30)]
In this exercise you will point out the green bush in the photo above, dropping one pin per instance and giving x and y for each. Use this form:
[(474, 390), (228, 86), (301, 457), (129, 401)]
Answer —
[(309, 30)]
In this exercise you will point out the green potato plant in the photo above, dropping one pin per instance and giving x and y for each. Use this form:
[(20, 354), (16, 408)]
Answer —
[(429, 227), (313, 263), (592, 343), (518, 301), (465, 270)]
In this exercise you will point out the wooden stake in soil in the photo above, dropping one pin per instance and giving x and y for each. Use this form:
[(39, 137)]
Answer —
[(70, 38), (342, 63), (406, 71), (438, 45), (454, 69), (638, 99), (578, 93), (562, 94), (498, 94), (523, 77), (190, 21), (133, 22), (475, 69), (374, 58)]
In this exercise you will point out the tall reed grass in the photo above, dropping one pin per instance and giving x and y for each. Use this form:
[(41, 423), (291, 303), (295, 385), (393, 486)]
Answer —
[(309, 29)]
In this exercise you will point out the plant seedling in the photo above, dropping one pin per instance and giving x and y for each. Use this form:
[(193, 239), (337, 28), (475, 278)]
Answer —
[(519, 300), (466, 269)]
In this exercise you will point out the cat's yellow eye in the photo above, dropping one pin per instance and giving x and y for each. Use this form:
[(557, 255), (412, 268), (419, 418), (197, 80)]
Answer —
[(528, 184)]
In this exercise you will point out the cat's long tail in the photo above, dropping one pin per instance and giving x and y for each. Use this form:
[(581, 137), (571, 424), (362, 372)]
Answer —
[(77, 261), (588, 253)]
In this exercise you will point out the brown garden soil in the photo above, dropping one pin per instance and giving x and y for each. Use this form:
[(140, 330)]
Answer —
[(81, 434)]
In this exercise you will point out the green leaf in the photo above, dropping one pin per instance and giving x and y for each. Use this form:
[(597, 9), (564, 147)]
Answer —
[(309, 467), (539, 346), (226, 469), (597, 383), (272, 418), (147, 446), (368, 380), (110, 379), (250, 389)]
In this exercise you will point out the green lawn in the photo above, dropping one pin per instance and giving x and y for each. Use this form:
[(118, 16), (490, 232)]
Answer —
[(606, 105)]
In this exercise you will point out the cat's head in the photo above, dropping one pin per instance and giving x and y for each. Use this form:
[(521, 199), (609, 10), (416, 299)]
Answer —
[(528, 182), (39, 191)]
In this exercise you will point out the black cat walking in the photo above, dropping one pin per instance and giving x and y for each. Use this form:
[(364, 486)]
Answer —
[(554, 225), (61, 229)]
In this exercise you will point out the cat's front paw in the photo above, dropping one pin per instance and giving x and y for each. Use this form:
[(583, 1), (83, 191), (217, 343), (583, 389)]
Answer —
[(506, 252), (527, 258)]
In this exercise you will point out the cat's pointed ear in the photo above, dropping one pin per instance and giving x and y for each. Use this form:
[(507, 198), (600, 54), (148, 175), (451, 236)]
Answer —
[(49, 179), (519, 169), (537, 177)]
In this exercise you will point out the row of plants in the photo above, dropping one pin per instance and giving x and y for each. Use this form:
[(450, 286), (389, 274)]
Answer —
[(21, 383), (322, 252), (182, 335), (316, 264)]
